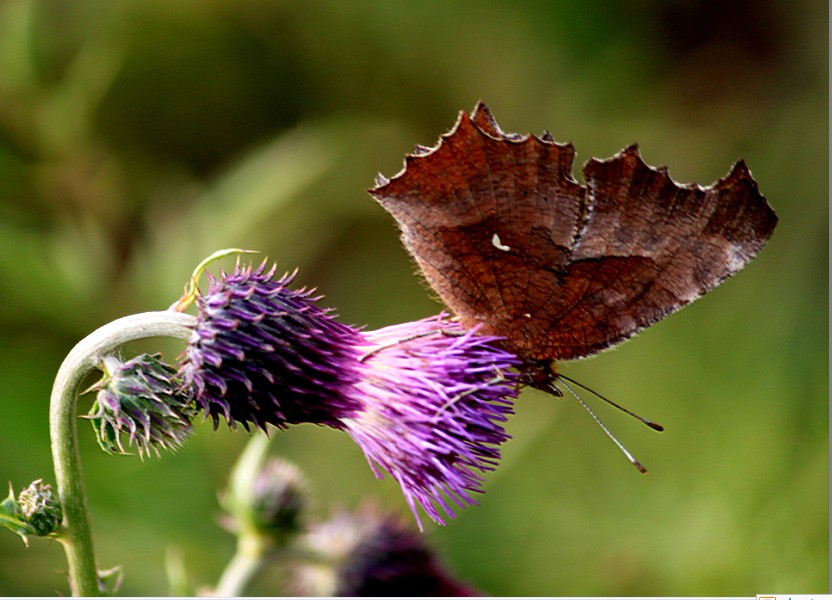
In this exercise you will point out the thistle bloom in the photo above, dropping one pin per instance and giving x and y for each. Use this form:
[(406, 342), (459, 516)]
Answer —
[(262, 353), (425, 401), (142, 399), (368, 553), (435, 397)]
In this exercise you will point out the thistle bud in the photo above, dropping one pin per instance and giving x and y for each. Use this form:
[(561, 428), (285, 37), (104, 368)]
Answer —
[(280, 498), (270, 505), (39, 508), (36, 511), (142, 399)]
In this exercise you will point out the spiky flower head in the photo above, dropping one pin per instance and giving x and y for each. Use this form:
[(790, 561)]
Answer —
[(267, 499), (425, 401), (35, 511), (265, 354), (280, 498), (368, 553), (40, 508), (141, 399), (435, 398)]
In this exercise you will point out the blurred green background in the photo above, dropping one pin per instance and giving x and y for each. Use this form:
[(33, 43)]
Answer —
[(138, 137)]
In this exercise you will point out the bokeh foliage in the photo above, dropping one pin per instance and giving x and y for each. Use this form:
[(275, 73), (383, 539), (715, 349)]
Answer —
[(138, 137)]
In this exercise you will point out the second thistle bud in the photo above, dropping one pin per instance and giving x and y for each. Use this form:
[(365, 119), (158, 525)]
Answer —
[(142, 400), (279, 499), (266, 498), (36, 511), (40, 508)]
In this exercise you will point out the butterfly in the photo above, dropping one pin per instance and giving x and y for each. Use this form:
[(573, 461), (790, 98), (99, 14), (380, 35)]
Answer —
[(512, 243)]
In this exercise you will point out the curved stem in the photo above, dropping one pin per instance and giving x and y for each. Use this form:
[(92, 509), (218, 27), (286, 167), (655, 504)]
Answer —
[(75, 534)]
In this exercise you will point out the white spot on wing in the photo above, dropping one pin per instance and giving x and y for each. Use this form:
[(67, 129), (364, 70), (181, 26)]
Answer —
[(498, 244), (737, 257)]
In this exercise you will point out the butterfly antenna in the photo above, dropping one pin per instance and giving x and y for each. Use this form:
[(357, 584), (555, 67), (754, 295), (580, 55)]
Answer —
[(598, 420), (650, 424)]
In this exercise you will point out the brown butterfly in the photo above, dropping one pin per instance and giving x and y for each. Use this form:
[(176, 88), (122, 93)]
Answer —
[(510, 241)]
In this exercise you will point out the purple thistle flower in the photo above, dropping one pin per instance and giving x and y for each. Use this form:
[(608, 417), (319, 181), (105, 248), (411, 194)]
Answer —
[(425, 401), (262, 353), (434, 400), (368, 553)]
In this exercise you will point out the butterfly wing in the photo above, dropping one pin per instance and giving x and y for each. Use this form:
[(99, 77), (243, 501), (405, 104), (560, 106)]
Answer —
[(509, 240)]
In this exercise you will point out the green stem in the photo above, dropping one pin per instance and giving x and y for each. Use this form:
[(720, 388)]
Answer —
[(75, 534), (252, 546), (247, 560)]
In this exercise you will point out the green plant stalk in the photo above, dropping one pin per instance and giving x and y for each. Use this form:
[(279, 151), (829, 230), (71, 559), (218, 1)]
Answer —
[(252, 546), (247, 561), (75, 533)]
